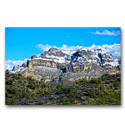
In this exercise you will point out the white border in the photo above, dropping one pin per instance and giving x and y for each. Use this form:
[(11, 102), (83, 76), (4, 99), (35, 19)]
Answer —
[(61, 13)]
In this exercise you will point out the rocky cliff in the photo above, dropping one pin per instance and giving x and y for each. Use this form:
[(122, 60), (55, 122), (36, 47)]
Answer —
[(56, 65)]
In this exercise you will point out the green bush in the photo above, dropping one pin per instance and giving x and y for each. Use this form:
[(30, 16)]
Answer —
[(44, 85), (19, 74), (69, 101), (81, 80), (21, 81), (9, 82), (119, 79), (28, 91), (67, 90), (105, 75), (96, 81), (38, 103), (43, 91), (6, 94), (12, 90), (31, 79), (7, 72), (105, 96), (16, 77), (116, 84), (10, 101), (61, 85), (32, 86)]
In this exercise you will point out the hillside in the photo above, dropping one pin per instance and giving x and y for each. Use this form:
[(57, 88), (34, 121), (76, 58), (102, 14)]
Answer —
[(21, 90)]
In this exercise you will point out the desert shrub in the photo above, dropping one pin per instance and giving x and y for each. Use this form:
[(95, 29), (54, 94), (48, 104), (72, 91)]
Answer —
[(19, 74), (105, 75), (28, 91), (6, 94), (32, 86), (43, 91), (108, 82), (44, 85), (38, 103), (7, 72), (72, 99), (82, 80), (118, 79), (31, 79), (116, 84), (60, 85), (101, 86), (66, 103), (41, 82), (21, 81), (9, 82), (16, 77), (10, 101), (105, 96), (12, 90), (95, 80), (92, 92), (69, 101), (67, 90), (63, 88)]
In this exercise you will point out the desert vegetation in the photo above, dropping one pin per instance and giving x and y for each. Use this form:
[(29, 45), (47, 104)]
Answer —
[(105, 90)]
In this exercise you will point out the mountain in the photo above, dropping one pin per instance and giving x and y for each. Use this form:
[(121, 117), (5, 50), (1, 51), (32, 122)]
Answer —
[(55, 65)]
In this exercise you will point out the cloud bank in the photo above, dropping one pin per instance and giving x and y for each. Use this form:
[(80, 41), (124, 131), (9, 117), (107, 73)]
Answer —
[(106, 32), (114, 49), (10, 63), (64, 47), (44, 47)]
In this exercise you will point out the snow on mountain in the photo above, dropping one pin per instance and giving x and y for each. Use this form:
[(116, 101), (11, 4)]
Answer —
[(82, 56), (68, 52), (20, 69)]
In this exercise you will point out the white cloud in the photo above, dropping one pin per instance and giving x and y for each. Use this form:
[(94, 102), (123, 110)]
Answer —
[(64, 47), (114, 49), (106, 32), (45, 47), (10, 63)]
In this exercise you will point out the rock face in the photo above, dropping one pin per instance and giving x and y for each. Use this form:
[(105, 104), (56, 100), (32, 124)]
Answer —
[(74, 61), (39, 62), (56, 65)]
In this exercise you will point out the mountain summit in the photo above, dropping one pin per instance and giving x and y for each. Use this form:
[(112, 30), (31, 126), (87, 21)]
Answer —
[(57, 65)]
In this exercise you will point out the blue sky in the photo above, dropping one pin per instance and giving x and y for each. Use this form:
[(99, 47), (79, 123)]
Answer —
[(21, 43)]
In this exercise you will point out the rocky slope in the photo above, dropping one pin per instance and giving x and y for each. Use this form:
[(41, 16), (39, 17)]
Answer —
[(56, 65)]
